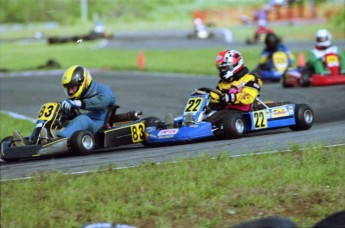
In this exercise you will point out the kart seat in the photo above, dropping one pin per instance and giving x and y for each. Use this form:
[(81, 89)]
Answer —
[(110, 117)]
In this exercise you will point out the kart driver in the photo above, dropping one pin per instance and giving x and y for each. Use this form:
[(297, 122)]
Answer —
[(237, 86), (323, 46), (272, 45), (84, 93)]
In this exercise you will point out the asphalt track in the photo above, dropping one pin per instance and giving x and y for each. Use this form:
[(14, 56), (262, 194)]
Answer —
[(156, 94)]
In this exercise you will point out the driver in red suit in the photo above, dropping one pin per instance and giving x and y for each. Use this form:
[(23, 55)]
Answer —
[(238, 87)]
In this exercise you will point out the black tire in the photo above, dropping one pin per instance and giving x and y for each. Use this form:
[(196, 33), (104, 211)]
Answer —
[(305, 79), (83, 142), (285, 84), (233, 125), (9, 139), (304, 117)]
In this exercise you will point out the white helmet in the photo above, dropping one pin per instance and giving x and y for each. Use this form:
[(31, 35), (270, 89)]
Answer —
[(323, 38), (228, 63)]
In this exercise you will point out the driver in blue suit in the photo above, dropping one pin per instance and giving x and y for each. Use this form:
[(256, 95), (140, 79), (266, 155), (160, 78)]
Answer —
[(86, 94), (266, 67), (83, 93)]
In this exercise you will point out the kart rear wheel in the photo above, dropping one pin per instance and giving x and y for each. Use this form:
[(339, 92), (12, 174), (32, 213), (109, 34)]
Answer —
[(284, 82), (9, 140), (83, 142), (233, 125), (304, 117), (305, 79)]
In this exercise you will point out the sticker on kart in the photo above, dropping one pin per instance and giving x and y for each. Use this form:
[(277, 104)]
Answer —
[(47, 111), (260, 119), (167, 133), (332, 61), (138, 132), (280, 61), (280, 112), (194, 104)]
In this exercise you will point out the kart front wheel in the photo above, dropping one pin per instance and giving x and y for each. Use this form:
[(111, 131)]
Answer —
[(83, 142), (304, 117), (233, 125)]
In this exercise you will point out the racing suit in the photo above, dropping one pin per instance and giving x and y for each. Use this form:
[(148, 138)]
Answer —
[(266, 66), (97, 100), (243, 90), (315, 59)]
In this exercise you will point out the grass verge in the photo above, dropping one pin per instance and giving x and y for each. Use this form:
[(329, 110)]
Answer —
[(304, 186)]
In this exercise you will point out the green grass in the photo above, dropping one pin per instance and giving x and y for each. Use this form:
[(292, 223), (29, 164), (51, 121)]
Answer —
[(305, 186), (9, 124), (19, 56)]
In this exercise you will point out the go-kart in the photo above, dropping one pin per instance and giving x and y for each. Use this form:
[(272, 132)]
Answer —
[(51, 119), (91, 36), (275, 67), (201, 34), (304, 77), (196, 122), (259, 36)]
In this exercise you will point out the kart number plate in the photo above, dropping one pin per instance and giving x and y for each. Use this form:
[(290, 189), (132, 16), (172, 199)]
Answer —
[(138, 132), (332, 61), (47, 111), (280, 61), (260, 120), (193, 104)]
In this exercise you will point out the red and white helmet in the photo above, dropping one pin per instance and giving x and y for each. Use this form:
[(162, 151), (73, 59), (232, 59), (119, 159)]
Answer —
[(229, 62), (323, 38)]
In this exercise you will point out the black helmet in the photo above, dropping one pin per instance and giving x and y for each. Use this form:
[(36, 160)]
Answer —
[(272, 41)]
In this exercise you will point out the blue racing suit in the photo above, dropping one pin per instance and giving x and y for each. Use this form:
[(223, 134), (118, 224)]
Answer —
[(97, 100), (269, 68)]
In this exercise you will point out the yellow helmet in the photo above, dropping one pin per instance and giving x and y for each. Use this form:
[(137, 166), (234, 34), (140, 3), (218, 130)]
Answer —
[(76, 75)]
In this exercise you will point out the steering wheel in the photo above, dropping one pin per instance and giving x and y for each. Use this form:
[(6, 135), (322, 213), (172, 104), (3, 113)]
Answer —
[(208, 90)]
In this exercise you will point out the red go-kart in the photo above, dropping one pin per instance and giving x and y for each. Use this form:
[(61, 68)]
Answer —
[(303, 77)]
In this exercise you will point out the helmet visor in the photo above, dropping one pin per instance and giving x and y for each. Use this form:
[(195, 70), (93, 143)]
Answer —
[(224, 67), (321, 39), (71, 89)]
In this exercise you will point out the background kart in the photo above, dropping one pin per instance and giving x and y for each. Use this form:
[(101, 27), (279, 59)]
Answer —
[(304, 78), (277, 66), (232, 124), (50, 121), (205, 34)]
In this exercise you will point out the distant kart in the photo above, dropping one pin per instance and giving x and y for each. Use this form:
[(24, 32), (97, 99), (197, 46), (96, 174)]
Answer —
[(278, 64), (262, 116), (304, 78), (91, 36), (204, 34), (259, 36), (50, 120)]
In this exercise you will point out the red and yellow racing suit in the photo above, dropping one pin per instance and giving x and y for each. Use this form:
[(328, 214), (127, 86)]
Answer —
[(243, 90)]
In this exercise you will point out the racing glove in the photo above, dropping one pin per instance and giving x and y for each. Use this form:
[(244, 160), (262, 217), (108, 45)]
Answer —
[(228, 98), (69, 104)]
